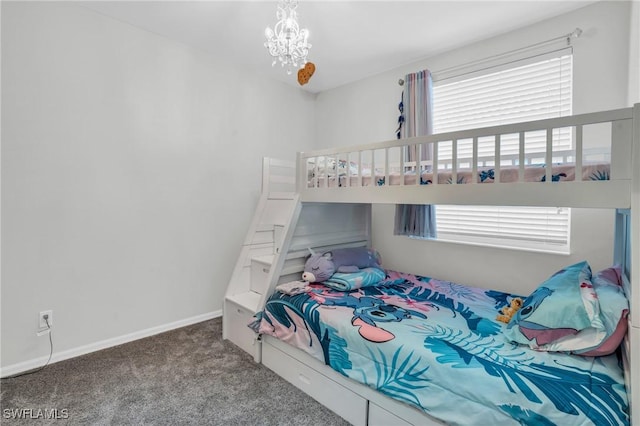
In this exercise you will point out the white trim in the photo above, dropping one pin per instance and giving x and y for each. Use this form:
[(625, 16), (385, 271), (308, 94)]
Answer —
[(104, 344)]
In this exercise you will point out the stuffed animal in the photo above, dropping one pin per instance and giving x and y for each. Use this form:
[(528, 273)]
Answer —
[(320, 266), (508, 311)]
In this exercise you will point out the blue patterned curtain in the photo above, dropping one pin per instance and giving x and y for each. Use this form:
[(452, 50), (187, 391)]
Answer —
[(416, 120)]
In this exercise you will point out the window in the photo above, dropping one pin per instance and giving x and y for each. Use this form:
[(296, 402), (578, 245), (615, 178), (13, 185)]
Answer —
[(534, 89)]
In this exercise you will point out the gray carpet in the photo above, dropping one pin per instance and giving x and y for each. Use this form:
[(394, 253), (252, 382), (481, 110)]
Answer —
[(184, 376)]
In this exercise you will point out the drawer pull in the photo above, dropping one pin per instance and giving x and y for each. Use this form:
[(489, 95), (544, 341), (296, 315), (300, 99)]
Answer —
[(265, 270), (304, 379)]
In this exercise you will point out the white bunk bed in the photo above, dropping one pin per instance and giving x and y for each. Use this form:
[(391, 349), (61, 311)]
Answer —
[(380, 173)]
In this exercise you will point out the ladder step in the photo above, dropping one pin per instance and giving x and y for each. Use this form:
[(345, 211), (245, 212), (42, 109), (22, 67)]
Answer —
[(266, 259), (249, 300), (281, 195)]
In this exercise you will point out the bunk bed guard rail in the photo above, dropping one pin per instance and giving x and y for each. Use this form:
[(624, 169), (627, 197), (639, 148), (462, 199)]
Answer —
[(523, 163)]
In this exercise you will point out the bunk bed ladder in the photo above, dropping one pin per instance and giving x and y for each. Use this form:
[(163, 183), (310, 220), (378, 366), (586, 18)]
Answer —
[(277, 245), (277, 210)]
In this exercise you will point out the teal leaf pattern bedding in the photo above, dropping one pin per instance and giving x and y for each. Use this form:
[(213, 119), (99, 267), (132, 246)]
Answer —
[(437, 346)]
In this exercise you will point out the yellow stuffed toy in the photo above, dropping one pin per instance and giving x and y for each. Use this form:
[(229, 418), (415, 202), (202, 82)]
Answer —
[(508, 311)]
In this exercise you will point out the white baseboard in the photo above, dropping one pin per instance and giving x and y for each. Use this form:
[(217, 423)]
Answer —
[(104, 344)]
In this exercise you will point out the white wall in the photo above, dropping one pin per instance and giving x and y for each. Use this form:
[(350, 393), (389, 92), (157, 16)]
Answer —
[(366, 111), (121, 206), (634, 54)]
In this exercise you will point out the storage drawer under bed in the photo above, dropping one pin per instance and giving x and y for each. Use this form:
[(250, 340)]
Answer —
[(378, 416), (347, 404), (237, 319)]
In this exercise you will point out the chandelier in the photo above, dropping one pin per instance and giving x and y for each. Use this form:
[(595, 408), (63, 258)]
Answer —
[(287, 43)]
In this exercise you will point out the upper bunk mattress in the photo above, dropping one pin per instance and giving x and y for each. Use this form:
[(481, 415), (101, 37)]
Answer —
[(508, 174), (436, 345)]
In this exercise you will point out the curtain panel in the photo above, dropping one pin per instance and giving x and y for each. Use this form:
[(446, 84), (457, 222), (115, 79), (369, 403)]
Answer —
[(416, 119)]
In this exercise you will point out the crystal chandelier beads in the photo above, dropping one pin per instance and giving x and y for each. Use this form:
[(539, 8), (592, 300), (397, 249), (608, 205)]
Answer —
[(286, 42)]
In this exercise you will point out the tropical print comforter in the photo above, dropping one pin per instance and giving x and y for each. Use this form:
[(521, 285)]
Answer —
[(437, 346)]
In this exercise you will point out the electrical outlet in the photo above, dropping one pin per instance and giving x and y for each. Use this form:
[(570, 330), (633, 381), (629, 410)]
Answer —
[(42, 323)]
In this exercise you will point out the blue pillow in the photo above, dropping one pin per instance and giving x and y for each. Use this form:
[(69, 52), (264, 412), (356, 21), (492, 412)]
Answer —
[(562, 314), (365, 277)]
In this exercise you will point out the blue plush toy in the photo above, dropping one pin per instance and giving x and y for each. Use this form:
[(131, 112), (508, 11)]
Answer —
[(320, 266)]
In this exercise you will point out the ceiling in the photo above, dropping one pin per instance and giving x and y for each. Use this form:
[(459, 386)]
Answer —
[(350, 39)]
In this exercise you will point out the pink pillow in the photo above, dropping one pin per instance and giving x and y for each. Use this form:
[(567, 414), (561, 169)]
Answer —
[(614, 308), (611, 343)]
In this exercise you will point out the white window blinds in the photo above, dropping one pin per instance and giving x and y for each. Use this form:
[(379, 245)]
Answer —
[(525, 91), (542, 228)]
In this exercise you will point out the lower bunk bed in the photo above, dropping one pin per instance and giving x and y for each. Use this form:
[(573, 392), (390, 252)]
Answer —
[(417, 350)]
